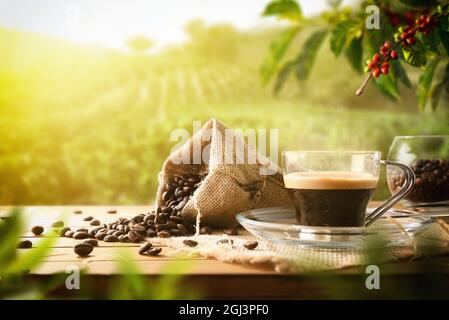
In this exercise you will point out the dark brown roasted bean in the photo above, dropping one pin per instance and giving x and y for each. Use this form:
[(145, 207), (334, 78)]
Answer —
[(37, 230), (145, 247), (190, 243), (250, 245), (83, 249)]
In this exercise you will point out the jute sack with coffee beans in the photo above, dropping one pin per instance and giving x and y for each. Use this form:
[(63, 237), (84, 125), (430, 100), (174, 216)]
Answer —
[(215, 175)]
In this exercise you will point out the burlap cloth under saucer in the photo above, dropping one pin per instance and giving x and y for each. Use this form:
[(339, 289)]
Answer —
[(289, 258)]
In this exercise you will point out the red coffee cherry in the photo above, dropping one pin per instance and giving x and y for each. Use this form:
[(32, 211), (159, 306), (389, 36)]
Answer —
[(393, 54), (376, 73)]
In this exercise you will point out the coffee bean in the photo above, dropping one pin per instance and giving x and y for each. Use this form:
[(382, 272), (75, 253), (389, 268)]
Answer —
[(123, 238), (163, 234), (89, 218), (69, 234), (63, 231), (83, 249), (154, 251), (37, 230), (110, 238), (100, 235), (92, 242), (175, 232), (190, 243), (77, 211), (151, 233), (24, 244), (205, 230), (80, 235), (431, 183), (92, 233), (134, 237), (112, 211), (82, 230), (57, 224), (145, 247), (182, 229), (110, 232), (176, 219), (250, 245), (164, 226), (225, 241), (118, 233), (231, 232), (95, 222)]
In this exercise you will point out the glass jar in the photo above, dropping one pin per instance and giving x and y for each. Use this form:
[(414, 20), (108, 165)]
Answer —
[(428, 156)]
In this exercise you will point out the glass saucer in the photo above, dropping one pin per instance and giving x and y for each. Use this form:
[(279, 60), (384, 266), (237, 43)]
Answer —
[(279, 225)]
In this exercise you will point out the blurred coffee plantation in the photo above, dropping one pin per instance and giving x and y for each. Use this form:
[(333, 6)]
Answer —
[(84, 124)]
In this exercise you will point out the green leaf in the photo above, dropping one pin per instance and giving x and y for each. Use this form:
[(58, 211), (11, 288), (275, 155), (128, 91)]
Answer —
[(277, 51), (31, 257), (284, 9), (388, 86), (343, 33), (431, 41), (306, 57), (354, 54), (420, 3), (438, 89), (415, 55), (425, 83), (399, 73), (10, 231), (444, 37), (283, 74)]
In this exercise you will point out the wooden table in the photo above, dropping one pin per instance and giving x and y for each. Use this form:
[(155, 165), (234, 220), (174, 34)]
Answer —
[(212, 278)]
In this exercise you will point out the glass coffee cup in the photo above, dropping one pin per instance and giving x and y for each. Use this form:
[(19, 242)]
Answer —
[(332, 189)]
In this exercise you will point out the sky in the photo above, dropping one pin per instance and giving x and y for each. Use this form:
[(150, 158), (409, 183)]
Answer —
[(110, 22)]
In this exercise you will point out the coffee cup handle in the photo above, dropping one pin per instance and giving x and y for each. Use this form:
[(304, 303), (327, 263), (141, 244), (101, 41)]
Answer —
[(409, 182)]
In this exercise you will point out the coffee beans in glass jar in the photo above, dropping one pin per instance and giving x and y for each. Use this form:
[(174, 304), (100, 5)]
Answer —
[(431, 184)]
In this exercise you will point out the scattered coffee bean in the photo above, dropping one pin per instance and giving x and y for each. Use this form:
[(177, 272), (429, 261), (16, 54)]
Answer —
[(77, 211), (24, 244), (89, 218), (182, 229), (69, 234), (82, 230), (190, 243), (151, 233), (145, 247), (250, 245), (63, 231), (57, 224), (37, 230), (95, 222), (112, 211), (100, 235), (83, 249), (163, 234), (80, 235), (92, 242), (110, 238), (231, 232), (154, 251), (225, 241), (123, 238), (205, 230)]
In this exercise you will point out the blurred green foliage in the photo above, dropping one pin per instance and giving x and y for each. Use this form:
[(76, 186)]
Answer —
[(351, 36), (87, 125)]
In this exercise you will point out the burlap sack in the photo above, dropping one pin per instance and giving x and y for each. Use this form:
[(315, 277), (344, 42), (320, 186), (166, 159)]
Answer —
[(230, 186)]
